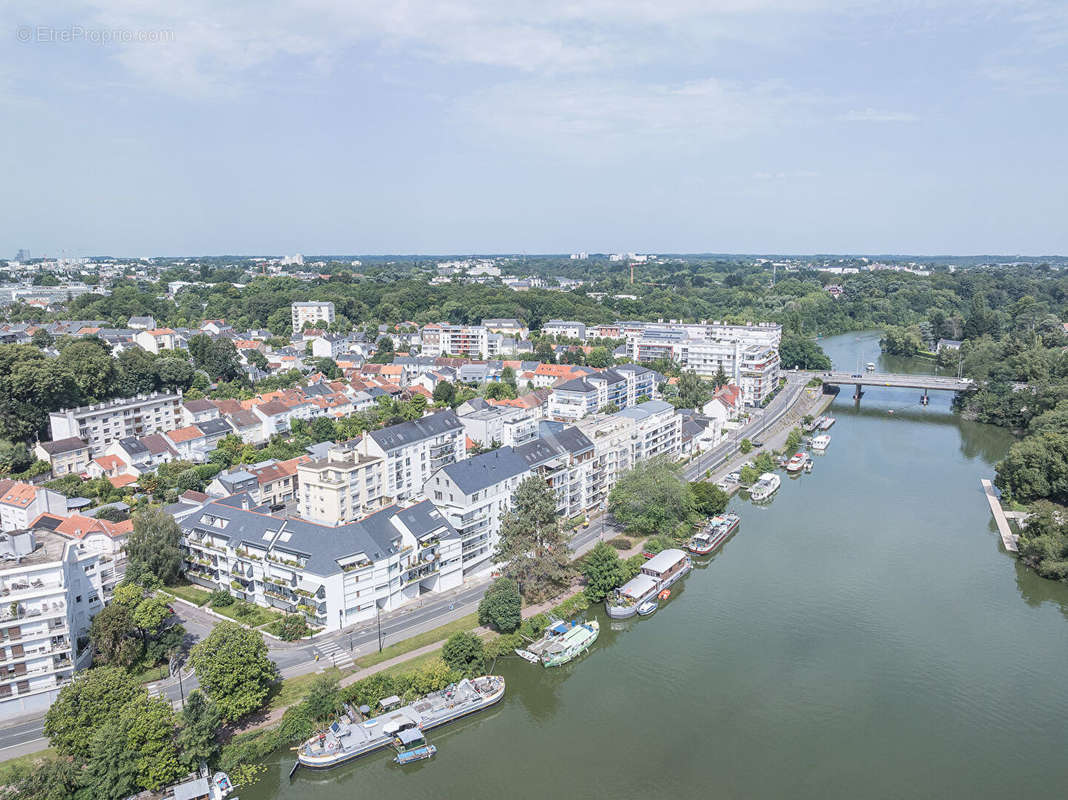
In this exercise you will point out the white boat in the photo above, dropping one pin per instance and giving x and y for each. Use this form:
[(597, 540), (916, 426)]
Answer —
[(827, 423), (765, 487), (647, 608), (657, 574), (819, 443), (796, 463)]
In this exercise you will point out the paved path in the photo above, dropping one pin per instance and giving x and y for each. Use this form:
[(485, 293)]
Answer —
[(1008, 538)]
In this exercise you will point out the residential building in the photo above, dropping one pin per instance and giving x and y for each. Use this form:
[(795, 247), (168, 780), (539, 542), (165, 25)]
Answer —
[(316, 312), (194, 411), (51, 585), (64, 455), (619, 388), (342, 487), (100, 424), (559, 327), (278, 481), (504, 425), (508, 327), (746, 354), (144, 454), (413, 451), (469, 341), (657, 430), (335, 576), (156, 340), (21, 503)]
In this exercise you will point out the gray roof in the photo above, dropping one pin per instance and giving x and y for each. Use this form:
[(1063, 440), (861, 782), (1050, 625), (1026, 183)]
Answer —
[(482, 471), (203, 404), (214, 427), (132, 445), (59, 446), (570, 439), (576, 385), (410, 432), (646, 409), (321, 545), (192, 789)]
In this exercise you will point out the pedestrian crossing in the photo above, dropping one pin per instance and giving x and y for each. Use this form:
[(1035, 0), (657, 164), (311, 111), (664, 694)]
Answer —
[(337, 656)]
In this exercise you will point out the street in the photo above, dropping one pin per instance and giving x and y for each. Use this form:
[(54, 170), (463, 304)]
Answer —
[(342, 647)]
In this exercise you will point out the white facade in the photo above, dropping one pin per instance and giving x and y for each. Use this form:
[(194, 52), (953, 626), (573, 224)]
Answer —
[(470, 341), (21, 503), (506, 425), (100, 424), (413, 451), (311, 312), (342, 487), (46, 603)]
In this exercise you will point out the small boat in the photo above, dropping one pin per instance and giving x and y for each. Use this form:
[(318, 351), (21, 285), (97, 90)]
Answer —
[(808, 465), (765, 487), (647, 608), (815, 424), (411, 745), (819, 443), (664, 595), (796, 463), (221, 785), (870, 366), (561, 643), (713, 534), (827, 423)]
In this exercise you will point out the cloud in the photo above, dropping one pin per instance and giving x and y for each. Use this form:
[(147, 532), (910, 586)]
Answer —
[(876, 115), (1027, 80)]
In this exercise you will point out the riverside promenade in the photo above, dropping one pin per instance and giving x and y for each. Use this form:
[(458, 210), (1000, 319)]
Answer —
[(1008, 538)]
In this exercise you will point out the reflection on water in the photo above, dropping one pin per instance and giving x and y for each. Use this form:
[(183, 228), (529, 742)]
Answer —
[(863, 635)]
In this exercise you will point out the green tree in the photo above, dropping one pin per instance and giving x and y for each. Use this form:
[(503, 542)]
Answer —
[(444, 393), (323, 700), (148, 728), (748, 475), (110, 632), (111, 772), (197, 737), (90, 700), (651, 498), (531, 546), (745, 446), (42, 338), (465, 653), (793, 440), (603, 570), (233, 669), (154, 545), (501, 606), (94, 371), (801, 352), (709, 499), (44, 779), (1036, 469)]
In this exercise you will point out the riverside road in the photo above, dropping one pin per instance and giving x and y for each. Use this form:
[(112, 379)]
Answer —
[(26, 735)]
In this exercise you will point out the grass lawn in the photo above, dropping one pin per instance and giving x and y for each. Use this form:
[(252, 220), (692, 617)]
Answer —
[(259, 615), (187, 591), (150, 674), (293, 690), (420, 640), (27, 760)]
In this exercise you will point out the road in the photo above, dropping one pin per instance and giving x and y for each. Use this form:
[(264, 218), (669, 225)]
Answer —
[(26, 735), (918, 381)]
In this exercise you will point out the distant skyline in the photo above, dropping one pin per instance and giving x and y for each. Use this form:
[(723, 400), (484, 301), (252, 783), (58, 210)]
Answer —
[(682, 126)]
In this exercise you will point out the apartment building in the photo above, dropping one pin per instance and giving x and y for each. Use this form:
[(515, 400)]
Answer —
[(508, 327), (620, 387), (51, 585), (64, 455), (657, 430), (316, 312), (506, 425), (559, 327), (100, 424), (334, 576), (342, 487), (747, 354), (156, 340), (469, 341), (413, 451)]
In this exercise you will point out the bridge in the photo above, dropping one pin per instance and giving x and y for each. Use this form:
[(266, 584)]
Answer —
[(937, 383)]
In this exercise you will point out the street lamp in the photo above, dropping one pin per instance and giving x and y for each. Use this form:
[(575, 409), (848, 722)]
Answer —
[(378, 613)]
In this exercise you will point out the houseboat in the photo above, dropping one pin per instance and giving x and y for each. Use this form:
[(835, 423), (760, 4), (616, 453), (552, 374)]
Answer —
[(355, 735), (765, 487), (827, 423), (819, 443), (713, 534), (562, 642), (657, 574), (814, 425), (796, 462)]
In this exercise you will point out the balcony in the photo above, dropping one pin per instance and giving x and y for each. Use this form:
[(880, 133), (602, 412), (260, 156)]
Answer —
[(28, 589)]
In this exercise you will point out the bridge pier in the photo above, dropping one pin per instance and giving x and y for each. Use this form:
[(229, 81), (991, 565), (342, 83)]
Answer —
[(859, 393), (924, 400)]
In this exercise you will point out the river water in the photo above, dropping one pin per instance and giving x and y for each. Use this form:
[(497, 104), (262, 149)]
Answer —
[(862, 636)]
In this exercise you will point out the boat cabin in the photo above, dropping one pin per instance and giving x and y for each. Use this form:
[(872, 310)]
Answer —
[(665, 565)]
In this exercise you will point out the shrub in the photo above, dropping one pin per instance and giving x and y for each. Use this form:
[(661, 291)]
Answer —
[(291, 628), (221, 597), (464, 652), (501, 606)]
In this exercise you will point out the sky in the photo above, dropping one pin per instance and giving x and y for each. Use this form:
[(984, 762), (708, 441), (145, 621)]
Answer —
[(200, 127)]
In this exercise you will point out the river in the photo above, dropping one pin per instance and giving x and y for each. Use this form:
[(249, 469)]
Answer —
[(863, 636)]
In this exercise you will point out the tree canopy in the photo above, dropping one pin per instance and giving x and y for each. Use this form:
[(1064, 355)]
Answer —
[(233, 669), (652, 497), (532, 547)]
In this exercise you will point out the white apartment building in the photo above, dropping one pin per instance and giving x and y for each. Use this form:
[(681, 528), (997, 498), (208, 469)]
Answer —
[(50, 588), (315, 311), (334, 576), (100, 424), (657, 430), (413, 451), (342, 487), (506, 425), (747, 354), (469, 341), (559, 327)]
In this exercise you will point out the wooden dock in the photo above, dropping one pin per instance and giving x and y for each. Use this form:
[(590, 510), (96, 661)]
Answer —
[(1008, 538)]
